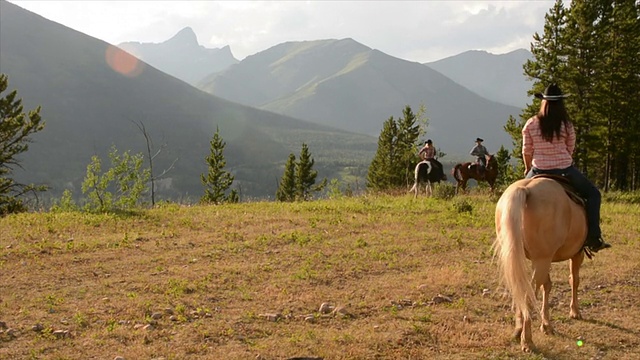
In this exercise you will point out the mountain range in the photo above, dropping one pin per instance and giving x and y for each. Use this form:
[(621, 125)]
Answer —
[(496, 77), (331, 94), (347, 85), (88, 107), (182, 57)]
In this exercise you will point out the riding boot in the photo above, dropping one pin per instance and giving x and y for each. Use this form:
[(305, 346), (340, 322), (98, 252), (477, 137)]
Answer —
[(596, 243)]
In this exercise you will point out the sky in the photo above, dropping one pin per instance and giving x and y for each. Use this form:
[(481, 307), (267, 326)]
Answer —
[(420, 31)]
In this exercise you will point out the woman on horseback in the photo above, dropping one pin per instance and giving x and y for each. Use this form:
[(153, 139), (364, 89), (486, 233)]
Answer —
[(548, 142)]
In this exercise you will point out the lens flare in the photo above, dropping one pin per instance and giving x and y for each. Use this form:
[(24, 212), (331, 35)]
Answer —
[(123, 62)]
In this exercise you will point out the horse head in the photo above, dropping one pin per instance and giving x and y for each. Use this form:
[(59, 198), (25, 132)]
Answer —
[(492, 162)]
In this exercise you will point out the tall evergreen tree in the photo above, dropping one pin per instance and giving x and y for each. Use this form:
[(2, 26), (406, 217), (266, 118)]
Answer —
[(617, 85), (408, 134), (306, 176), (218, 180), (591, 49), (15, 130), (380, 174), (287, 186), (580, 80), (395, 158), (547, 66)]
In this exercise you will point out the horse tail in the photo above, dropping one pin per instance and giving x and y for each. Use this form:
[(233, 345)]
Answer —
[(509, 248), (455, 172)]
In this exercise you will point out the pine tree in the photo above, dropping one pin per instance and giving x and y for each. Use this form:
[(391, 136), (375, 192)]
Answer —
[(408, 133), (395, 158), (617, 84), (15, 130), (217, 181), (506, 172), (379, 176), (305, 176), (287, 186), (591, 51)]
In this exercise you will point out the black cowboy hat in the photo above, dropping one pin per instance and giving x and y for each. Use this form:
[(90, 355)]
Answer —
[(428, 142), (478, 139), (551, 93)]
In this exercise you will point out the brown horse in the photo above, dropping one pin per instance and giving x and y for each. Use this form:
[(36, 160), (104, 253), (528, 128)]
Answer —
[(462, 172), (535, 219)]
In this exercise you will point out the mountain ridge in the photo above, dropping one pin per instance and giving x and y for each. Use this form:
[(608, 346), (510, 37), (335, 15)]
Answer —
[(345, 84), (88, 107)]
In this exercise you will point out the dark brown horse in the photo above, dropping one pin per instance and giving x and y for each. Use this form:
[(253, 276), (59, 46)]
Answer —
[(462, 172)]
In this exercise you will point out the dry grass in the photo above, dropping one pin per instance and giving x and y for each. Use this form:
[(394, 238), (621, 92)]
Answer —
[(211, 273)]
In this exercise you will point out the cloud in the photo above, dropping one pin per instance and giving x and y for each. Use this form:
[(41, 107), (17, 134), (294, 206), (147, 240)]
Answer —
[(413, 30)]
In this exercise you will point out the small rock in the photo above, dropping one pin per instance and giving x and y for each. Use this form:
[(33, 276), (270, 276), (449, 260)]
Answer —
[(147, 327), (3, 325), (342, 312), (439, 299), (156, 315), (271, 316), (326, 308), (168, 311), (119, 358), (37, 327), (11, 332), (60, 333), (486, 292), (310, 318), (173, 318)]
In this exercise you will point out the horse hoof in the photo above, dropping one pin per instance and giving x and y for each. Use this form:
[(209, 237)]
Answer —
[(575, 315), (517, 334), (547, 329)]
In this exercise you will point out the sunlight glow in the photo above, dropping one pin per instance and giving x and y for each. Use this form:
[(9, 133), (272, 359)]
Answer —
[(123, 62)]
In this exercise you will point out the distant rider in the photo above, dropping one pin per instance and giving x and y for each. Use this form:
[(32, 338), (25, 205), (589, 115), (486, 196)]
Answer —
[(428, 153), (481, 153)]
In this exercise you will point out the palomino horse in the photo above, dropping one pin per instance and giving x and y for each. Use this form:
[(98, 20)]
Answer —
[(536, 220), (462, 172), (428, 173)]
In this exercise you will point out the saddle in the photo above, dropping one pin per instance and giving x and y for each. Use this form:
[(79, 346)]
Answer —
[(566, 185)]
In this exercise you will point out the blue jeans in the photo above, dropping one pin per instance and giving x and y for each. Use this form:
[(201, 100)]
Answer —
[(586, 189)]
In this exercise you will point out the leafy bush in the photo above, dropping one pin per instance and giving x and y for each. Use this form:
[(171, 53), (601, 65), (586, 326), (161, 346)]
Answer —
[(462, 205), (445, 191), (66, 203)]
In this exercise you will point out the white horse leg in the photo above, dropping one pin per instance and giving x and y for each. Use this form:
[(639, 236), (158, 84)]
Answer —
[(526, 338), (414, 189), (574, 281), (517, 332), (542, 279)]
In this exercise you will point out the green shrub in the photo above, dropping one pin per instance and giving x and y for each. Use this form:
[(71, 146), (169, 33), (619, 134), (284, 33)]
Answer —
[(66, 203), (445, 191), (462, 205)]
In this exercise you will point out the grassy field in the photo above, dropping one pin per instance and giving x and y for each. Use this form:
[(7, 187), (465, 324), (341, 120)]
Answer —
[(369, 277)]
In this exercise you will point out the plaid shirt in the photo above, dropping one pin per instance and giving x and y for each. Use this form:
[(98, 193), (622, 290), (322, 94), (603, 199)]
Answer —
[(556, 154)]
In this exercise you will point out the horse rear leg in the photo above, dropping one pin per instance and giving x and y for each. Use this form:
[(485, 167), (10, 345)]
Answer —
[(543, 280), (574, 281)]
